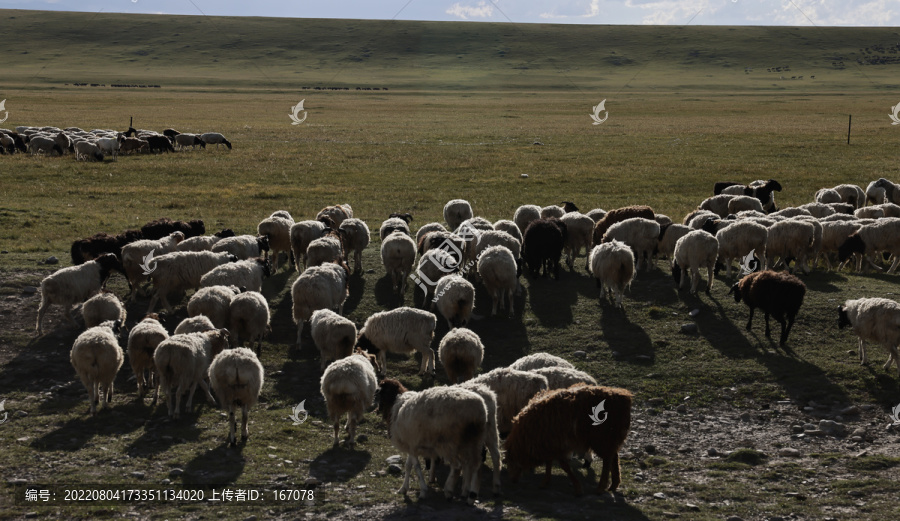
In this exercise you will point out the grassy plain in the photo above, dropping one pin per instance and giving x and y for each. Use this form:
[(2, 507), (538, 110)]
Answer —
[(466, 105)]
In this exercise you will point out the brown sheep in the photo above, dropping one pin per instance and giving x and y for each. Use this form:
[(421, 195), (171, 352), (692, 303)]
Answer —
[(557, 423), (618, 215), (776, 293)]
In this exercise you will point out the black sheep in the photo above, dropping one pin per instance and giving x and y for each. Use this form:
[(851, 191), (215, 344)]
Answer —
[(776, 293), (160, 143), (96, 245), (164, 226), (542, 246)]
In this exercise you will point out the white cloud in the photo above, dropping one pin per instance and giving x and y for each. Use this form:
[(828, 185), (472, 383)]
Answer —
[(592, 11), (482, 10), (670, 12)]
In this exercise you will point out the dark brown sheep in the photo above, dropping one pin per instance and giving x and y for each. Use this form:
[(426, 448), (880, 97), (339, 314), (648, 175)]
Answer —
[(96, 245), (559, 422), (619, 215), (542, 246), (164, 226), (776, 293)]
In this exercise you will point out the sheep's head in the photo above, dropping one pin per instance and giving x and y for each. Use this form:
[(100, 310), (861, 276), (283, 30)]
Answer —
[(326, 220), (853, 244), (569, 206), (404, 216), (736, 289), (219, 339), (843, 319), (363, 342), (232, 257), (197, 227), (177, 236), (151, 316), (386, 396), (227, 232), (710, 226), (370, 357), (263, 242), (108, 262), (266, 266)]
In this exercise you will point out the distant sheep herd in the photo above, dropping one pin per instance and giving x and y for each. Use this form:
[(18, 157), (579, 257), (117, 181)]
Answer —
[(97, 144), (540, 404)]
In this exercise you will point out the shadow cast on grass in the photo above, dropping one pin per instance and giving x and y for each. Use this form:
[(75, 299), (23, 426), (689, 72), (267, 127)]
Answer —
[(222, 465), (339, 464), (75, 434)]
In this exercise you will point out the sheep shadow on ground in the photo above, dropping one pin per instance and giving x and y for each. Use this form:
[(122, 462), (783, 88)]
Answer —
[(625, 337), (219, 466), (387, 298), (356, 288), (76, 433), (339, 464), (551, 300), (161, 434), (281, 320)]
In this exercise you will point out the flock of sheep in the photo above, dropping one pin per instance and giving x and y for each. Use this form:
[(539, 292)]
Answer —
[(95, 145), (541, 404)]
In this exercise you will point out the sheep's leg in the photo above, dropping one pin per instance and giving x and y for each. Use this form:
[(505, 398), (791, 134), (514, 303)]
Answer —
[(710, 276), (728, 268), (451, 480), (232, 439), (510, 294), (351, 429), (110, 390), (603, 485), (786, 330), (68, 316), (750, 320), (863, 358), (683, 278), (407, 468), (423, 487), (768, 332), (496, 301), (40, 318), (547, 471), (564, 463), (493, 447), (245, 415), (337, 430), (299, 332), (152, 303), (695, 279), (893, 267), (92, 396), (177, 411), (205, 387)]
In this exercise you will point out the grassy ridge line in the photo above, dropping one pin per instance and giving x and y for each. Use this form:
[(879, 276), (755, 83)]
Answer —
[(286, 53)]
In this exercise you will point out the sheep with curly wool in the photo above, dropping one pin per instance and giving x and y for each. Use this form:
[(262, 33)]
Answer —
[(356, 235), (102, 307), (498, 270), (790, 239), (401, 330), (882, 235), (456, 211), (182, 270), (539, 360), (493, 238), (318, 287), (552, 211), (827, 195), (514, 389), (869, 212), (717, 204), (505, 225), (348, 385), (776, 293), (247, 274), (841, 208), (143, 339), (876, 193), (249, 319), (204, 242), (612, 265), (819, 210), (579, 230), (197, 324), (328, 248), (696, 219), (562, 377), (618, 215), (834, 234), (278, 231), (739, 239), (398, 253), (791, 212), (75, 284), (396, 222), (851, 194), (441, 422), (426, 229), (243, 246), (668, 236), (698, 249), (454, 300), (524, 215), (434, 264), (182, 363), (303, 233), (138, 254), (556, 423), (873, 320), (461, 353), (891, 190), (640, 234), (740, 203), (333, 335), (337, 213), (97, 357), (890, 209), (236, 376)]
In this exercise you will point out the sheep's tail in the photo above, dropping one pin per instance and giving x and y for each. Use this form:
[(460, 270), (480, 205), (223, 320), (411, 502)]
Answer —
[(342, 401)]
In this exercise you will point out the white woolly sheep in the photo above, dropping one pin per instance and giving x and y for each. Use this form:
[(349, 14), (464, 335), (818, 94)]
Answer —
[(182, 270), (428, 228), (696, 219), (349, 386), (75, 284), (213, 302), (461, 353), (85, 150), (851, 194), (539, 360), (402, 330), (489, 238), (357, 238), (697, 249), (97, 357), (791, 212), (492, 436), (562, 377), (525, 214), (552, 211), (333, 335), (876, 193), (249, 319), (143, 339), (475, 223), (278, 230), (324, 249), (882, 235), (890, 209), (612, 265), (398, 253), (337, 213), (434, 264), (596, 214), (182, 362), (514, 389), (197, 324), (102, 307), (874, 320), (214, 138), (44, 145), (247, 274), (303, 233), (454, 299), (668, 236), (742, 203), (109, 147), (738, 239), (243, 246), (641, 235), (396, 222), (813, 253), (505, 225), (579, 230), (717, 204), (236, 376), (457, 211), (440, 422), (819, 210), (869, 212), (788, 240), (498, 270), (834, 234), (137, 253), (319, 287)]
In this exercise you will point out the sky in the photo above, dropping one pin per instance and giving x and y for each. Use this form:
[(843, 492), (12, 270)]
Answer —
[(821, 13)]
